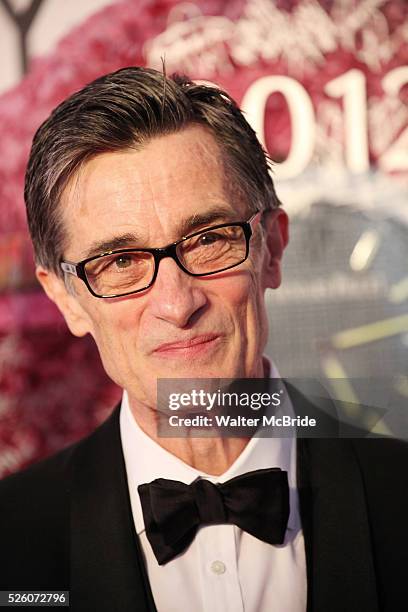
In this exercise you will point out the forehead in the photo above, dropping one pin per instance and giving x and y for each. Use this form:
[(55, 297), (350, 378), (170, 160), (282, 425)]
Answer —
[(148, 192)]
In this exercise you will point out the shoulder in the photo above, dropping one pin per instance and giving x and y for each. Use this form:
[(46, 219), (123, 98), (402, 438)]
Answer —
[(35, 507), (42, 484), (34, 517), (383, 463), (47, 482), (381, 452)]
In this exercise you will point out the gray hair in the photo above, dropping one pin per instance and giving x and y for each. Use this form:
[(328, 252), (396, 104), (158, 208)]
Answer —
[(126, 109)]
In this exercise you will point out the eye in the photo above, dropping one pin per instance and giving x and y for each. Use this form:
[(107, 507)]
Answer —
[(123, 261), (209, 238)]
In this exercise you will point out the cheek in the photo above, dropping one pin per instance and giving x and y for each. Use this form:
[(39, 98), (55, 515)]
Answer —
[(232, 291), (113, 322), (257, 315), (114, 329), (239, 294)]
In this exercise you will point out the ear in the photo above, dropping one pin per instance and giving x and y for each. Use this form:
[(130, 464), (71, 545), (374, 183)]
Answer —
[(75, 316), (277, 237)]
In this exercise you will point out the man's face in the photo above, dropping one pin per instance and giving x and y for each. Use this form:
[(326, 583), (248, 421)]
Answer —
[(182, 326)]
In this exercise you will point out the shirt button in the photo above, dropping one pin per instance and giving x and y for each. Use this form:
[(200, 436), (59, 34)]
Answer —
[(218, 567)]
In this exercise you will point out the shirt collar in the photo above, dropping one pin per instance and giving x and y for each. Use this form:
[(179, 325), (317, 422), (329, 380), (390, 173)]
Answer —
[(145, 460)]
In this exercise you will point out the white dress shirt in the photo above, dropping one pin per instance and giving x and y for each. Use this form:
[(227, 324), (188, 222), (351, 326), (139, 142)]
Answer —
[(224, 569)]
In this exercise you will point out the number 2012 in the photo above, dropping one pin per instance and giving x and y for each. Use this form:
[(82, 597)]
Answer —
[(351, 86)]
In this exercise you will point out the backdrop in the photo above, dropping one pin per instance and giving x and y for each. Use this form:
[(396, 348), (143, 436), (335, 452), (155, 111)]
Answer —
[(325, 85)]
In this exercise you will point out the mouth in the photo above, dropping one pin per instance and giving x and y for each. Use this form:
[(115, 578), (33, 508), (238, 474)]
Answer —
[(187, 348)]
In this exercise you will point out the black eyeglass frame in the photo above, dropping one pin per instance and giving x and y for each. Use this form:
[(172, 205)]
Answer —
[(78, 269)]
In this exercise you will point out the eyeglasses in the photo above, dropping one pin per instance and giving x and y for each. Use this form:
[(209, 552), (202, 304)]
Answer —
[(126, 271)]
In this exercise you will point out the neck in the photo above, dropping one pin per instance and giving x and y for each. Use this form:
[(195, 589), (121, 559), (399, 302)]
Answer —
[(210, 455)]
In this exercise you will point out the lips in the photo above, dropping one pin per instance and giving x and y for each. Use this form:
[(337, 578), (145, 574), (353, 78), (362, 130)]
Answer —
[(195, 343)]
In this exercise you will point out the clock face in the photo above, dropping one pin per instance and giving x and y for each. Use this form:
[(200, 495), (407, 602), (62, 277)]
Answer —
[(341, 314)]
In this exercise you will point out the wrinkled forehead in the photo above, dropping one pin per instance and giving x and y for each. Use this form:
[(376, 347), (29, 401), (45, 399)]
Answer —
[(155, 194)]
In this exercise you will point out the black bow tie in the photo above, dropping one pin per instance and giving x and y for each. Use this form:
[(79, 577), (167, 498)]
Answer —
[(257, 502)]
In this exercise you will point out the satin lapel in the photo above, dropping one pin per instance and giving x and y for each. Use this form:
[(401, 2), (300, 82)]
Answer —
[(107, 569), (339, 559)]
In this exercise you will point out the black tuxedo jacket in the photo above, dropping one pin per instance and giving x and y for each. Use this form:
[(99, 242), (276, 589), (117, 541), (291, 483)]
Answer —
[(66, 523)]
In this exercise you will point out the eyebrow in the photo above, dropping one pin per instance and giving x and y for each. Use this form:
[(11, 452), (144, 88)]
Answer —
[(187, 226), (221, 214), (111, 244)]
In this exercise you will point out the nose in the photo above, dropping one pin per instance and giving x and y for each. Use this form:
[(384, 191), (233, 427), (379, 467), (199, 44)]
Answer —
[(175, 296)]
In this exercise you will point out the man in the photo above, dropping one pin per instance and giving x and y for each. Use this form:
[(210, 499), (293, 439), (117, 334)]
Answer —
[(157, 229)]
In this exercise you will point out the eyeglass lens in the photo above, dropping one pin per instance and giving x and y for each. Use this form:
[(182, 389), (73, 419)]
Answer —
[(208, 252)]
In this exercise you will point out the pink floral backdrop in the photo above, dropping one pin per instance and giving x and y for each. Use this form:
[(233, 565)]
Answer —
[(52, 387)]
